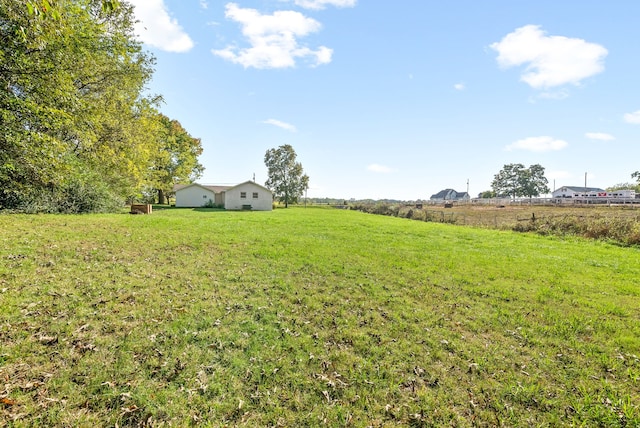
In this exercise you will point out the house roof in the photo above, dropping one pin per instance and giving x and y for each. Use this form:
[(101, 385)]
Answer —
[(442, 194), (216, 188), (211, 188), (248, 182), (580, 189)]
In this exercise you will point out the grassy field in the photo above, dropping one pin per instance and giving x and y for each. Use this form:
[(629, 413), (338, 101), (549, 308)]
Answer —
[(310, 317)]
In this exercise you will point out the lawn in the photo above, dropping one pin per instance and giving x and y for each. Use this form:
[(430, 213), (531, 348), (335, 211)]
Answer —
[(308, 317)]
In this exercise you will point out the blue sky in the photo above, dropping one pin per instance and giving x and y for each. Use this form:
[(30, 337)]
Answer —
[(400, 99)]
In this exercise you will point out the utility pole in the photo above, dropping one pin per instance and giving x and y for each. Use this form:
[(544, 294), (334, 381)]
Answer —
[(585, 184)]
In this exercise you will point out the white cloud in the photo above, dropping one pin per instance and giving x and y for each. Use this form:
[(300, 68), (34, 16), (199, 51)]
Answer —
[(553, 95), (459, 86), (379, 168), (321, 4), (273, 39), (155, 27), (551, 60), (280, 124), (204, 4), (538, 144), (599, 136), (632, 117)]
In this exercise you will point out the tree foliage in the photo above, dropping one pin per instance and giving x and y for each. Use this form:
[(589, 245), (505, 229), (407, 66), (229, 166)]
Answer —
[(487, 194), (514, 180), (176, 161), (286, 179), (72, 103), (624, 186)]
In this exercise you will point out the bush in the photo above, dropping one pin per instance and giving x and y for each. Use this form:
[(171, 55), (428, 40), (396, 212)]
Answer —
[(405, 213), (418, 215), (621, 230), (73, 198), (210, 204)]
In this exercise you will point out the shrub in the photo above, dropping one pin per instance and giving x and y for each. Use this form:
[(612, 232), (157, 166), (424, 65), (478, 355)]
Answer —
[(405, 213), (622, 230), (74, 197), (210, 204), (418, 215)]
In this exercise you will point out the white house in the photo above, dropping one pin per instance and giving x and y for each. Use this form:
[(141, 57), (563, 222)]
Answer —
[(197, 195), (247, 195)]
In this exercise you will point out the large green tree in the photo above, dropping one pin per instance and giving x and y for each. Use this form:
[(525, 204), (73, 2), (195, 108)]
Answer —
[(534, 183), (72, 77), (507, 181), (287, 179), (515, 180), (176, 160)]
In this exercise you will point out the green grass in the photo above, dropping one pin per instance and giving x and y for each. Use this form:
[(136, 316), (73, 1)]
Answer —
[(307, 317)]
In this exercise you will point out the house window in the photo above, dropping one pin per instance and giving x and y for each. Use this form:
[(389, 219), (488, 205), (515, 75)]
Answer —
[(255, 195), (204, 196), (243, 195)]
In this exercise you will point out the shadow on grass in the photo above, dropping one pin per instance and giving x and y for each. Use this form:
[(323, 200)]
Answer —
[(206, 210), (157, 207)]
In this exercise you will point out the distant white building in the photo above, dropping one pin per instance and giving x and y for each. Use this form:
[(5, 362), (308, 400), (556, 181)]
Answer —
[(243, 196), (593, 192), (577, 192)]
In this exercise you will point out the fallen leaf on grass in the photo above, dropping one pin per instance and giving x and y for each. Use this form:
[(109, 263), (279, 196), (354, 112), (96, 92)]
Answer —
[(130, 409), (83, 347), (82, 328), (8, 401), (48, 340), (31, 385)]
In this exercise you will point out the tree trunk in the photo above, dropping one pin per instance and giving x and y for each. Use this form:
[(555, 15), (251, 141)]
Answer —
[(161, 197)]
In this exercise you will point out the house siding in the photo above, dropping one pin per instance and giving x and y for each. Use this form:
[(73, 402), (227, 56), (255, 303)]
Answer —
[(263, 201), (194, 196)]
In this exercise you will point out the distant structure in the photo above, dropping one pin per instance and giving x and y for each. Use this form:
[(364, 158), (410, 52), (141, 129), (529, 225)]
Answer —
[(243, 196), (592, 192), (450, 195), (576, 191)]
